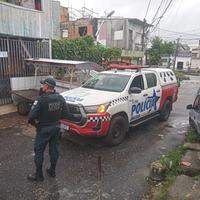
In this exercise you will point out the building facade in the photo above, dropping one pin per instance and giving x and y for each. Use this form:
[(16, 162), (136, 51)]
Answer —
[(183, 59), (124, 33), (28, 19), (195, 61), (26, 30), (77, 28)]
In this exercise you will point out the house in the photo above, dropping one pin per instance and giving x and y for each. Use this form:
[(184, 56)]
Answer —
[(195, 61), (183, 58), (77, 28), (26, 30), (26, 19), (124, 33)]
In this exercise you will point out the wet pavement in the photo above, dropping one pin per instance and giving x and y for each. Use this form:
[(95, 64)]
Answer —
[(123, 168)]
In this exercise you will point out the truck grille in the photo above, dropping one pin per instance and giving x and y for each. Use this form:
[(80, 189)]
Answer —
[(74, 113), (73, 109)]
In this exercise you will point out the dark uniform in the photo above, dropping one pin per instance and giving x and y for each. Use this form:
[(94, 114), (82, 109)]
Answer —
[(45, 114)]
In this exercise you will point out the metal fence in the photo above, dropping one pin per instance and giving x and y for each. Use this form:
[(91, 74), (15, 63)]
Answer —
[(13, 51)]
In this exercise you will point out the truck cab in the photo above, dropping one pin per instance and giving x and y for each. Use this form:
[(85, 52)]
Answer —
[(112, 101)]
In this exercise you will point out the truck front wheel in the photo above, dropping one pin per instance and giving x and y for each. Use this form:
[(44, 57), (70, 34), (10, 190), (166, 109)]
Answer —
[(117, 131)]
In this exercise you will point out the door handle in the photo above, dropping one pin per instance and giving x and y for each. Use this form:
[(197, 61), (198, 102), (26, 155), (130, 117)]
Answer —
[(145, 95), (157, 90)]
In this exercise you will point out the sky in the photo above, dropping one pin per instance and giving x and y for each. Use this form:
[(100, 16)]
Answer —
[(181, 20)]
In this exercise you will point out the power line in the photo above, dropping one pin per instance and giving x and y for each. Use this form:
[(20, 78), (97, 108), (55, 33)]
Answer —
[(183, 33), (185, 39), (157, 11), (147, 9), (163, 14)]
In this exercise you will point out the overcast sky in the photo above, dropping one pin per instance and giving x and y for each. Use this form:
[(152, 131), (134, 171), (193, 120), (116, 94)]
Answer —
[(182, 16)]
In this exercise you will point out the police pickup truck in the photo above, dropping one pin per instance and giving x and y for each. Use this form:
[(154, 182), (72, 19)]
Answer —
[(112, 101)]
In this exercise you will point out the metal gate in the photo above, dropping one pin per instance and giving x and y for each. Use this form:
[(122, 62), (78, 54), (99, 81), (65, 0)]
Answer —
[(13, 51)]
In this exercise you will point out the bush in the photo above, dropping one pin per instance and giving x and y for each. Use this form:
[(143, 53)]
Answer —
[(83, 49)]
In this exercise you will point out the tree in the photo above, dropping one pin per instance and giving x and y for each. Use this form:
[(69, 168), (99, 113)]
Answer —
[(83, 49), (158, 49)]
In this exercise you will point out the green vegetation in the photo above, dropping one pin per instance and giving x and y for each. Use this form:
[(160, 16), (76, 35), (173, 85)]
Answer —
[(179, 74), (192, 136), (158, 49), (83, 49), (172, 162), (163, 190)]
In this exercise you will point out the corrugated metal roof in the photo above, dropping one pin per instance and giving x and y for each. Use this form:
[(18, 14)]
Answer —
[(65, 63)]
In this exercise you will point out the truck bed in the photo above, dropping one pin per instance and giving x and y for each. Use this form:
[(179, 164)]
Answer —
[(30, 95)]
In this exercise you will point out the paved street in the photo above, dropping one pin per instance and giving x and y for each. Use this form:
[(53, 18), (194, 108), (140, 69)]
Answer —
[(124, 168)]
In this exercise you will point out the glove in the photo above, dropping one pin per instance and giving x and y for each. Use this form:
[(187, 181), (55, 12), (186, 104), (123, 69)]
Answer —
[(33, 123)]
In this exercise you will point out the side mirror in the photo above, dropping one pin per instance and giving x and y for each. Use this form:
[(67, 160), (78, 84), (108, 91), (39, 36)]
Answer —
[(83, 82), (189, 107), (135, 90)]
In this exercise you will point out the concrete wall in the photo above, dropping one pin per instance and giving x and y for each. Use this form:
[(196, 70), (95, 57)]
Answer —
[(21, 21), (195, 63), (186, 62), (72, 27), (56, 19), (64, 14), (116, 33)]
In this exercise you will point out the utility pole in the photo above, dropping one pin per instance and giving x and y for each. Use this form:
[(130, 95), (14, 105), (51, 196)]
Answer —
[(176, 52), (143, 41)]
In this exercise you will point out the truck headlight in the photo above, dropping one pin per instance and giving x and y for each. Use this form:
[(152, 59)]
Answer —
[(96, 109)]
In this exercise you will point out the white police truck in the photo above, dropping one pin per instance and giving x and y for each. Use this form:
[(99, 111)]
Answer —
[(112, 101)]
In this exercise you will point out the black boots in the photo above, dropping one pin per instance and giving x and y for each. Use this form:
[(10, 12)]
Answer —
[(35, 178), (38, 176), (51, 173)]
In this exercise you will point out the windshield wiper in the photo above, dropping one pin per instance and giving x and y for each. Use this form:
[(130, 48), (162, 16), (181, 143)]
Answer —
[(88, 87)]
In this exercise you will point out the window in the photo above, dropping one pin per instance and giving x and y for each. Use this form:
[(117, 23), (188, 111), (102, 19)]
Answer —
[(138, 82), (32, 4), (197, 104), (108, 82), (82, 30), (180, 65), (151, 80), (65, 33)]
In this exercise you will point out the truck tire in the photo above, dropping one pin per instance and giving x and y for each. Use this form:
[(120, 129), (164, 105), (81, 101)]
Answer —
[(191, 122), (117, 131), (23, 108), (166, 110)]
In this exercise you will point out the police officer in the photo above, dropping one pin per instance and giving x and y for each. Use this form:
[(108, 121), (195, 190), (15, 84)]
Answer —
[(45, 115)]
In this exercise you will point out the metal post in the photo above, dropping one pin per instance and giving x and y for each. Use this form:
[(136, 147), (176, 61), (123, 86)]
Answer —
[(143, 41), (71, 78), (50, 48), (35, 80), (176, 52), (99, 177)]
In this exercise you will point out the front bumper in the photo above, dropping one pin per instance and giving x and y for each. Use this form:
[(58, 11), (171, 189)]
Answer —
[(96, 125)]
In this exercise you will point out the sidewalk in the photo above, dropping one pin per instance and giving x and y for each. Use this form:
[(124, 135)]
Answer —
[(7, 109)]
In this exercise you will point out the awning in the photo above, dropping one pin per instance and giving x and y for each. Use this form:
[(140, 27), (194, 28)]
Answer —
[(79, 65)]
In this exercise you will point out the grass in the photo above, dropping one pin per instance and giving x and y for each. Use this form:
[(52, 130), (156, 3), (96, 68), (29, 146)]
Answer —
[(162, 195), (179, 74), (172, 162), (192, 136), (196, 178)]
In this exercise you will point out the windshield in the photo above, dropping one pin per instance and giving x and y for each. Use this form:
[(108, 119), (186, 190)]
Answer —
[(108, 82)]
